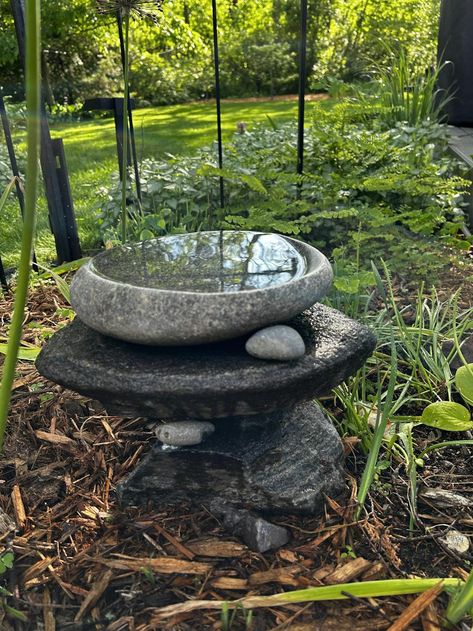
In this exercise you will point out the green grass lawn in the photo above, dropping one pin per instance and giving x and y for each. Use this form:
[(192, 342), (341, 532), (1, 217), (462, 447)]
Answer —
[(91, 156)]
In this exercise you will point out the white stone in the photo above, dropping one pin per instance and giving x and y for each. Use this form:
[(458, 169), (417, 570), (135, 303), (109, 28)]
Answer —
[(456, 542), (184, 433), (279, 342)]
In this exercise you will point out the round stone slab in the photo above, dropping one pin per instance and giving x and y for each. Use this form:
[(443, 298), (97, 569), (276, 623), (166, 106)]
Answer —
[(209, 381), (198, 288)]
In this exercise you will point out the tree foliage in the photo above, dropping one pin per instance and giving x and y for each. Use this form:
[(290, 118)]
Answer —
[(259, 41)]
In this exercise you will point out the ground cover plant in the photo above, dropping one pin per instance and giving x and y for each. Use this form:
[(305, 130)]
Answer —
[(357, 199)]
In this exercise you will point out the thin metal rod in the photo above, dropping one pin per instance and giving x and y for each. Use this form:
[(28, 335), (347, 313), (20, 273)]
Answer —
[(130, 113), (11, 154), (217, 99), (14, 168), (302, 83)]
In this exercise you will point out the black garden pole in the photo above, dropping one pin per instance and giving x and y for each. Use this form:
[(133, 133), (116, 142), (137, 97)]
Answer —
[(53, 164), (130, 113), (13, 164), (217, 99), (302, 82), (11, 154)]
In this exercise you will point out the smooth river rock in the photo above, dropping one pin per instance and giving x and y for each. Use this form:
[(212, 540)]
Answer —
[(280, 342), (205, 382), (198, 288), (184, 433), (284, 462)]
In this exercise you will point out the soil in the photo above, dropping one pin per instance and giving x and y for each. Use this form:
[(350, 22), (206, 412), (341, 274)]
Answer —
[(83, 563)]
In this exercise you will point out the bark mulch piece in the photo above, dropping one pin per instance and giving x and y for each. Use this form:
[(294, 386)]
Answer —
[(83, 563)]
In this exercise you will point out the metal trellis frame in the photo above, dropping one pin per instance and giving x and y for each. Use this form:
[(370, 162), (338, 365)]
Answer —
[(13, 164)]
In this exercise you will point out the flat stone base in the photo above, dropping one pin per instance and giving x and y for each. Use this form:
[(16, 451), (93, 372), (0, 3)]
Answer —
[(282, 462), (205, 382)]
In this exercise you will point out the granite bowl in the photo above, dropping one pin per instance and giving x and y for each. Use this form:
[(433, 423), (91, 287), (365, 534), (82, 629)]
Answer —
[(198, 288)]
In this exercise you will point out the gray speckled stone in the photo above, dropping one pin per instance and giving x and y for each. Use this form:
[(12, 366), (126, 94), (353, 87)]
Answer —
[(284, 462), (259, 534), (280, 342), (184, 433), (205, 382), (198, 288)]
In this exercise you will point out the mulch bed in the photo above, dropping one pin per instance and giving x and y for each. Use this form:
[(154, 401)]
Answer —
[(82, 562)]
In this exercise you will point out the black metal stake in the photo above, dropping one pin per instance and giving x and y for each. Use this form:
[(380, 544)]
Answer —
[(130, 114), (302, 83), (14, 164), (217, 99), (61, 209)]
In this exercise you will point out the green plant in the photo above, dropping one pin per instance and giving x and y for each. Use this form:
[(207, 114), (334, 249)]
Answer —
[(406, 93), (33, 99), (414, 360), (366, 589), (6, 563), (228, 620), (461, 602), (358, 193), (384, 409)]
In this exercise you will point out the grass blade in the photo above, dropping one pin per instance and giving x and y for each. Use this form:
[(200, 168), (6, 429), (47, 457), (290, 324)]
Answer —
[(369, 471), (461, 603)]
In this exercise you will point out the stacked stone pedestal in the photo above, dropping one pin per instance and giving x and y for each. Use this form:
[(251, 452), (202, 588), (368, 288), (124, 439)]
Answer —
[(167, 329), (273, 450)]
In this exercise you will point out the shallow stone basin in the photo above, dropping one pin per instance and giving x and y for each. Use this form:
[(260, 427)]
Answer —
[(198, 288)]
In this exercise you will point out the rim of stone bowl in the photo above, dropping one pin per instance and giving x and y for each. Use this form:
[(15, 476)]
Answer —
[(320, 264)]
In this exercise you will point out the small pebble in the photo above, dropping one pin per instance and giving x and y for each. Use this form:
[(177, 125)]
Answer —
[(456, 542), (278, 342), (184, 433)]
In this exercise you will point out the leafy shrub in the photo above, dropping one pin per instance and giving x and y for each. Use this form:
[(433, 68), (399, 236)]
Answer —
[(362, 184)]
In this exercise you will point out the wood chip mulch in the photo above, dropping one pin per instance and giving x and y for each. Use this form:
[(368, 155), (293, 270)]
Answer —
[(84, 563)]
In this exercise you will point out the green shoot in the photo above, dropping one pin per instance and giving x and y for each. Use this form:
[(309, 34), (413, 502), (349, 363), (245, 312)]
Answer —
[(33, 104)]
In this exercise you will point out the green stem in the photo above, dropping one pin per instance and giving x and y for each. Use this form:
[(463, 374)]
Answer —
[(33, 104), (126, 94)]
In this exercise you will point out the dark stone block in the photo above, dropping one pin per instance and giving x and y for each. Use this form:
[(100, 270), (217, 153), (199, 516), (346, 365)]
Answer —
[(258, 534), (208, 381), (284, 462)]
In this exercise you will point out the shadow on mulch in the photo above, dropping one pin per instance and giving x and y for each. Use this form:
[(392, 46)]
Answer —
[(83, 563)]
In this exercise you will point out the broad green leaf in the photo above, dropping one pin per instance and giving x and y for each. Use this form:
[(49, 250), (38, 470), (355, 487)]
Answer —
[(448, 416), (347, 284), (6, 561), (464, 382), (28, 354), (146, 234)]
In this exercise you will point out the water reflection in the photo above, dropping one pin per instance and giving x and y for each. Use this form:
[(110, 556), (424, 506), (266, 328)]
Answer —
[(224, 261)]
